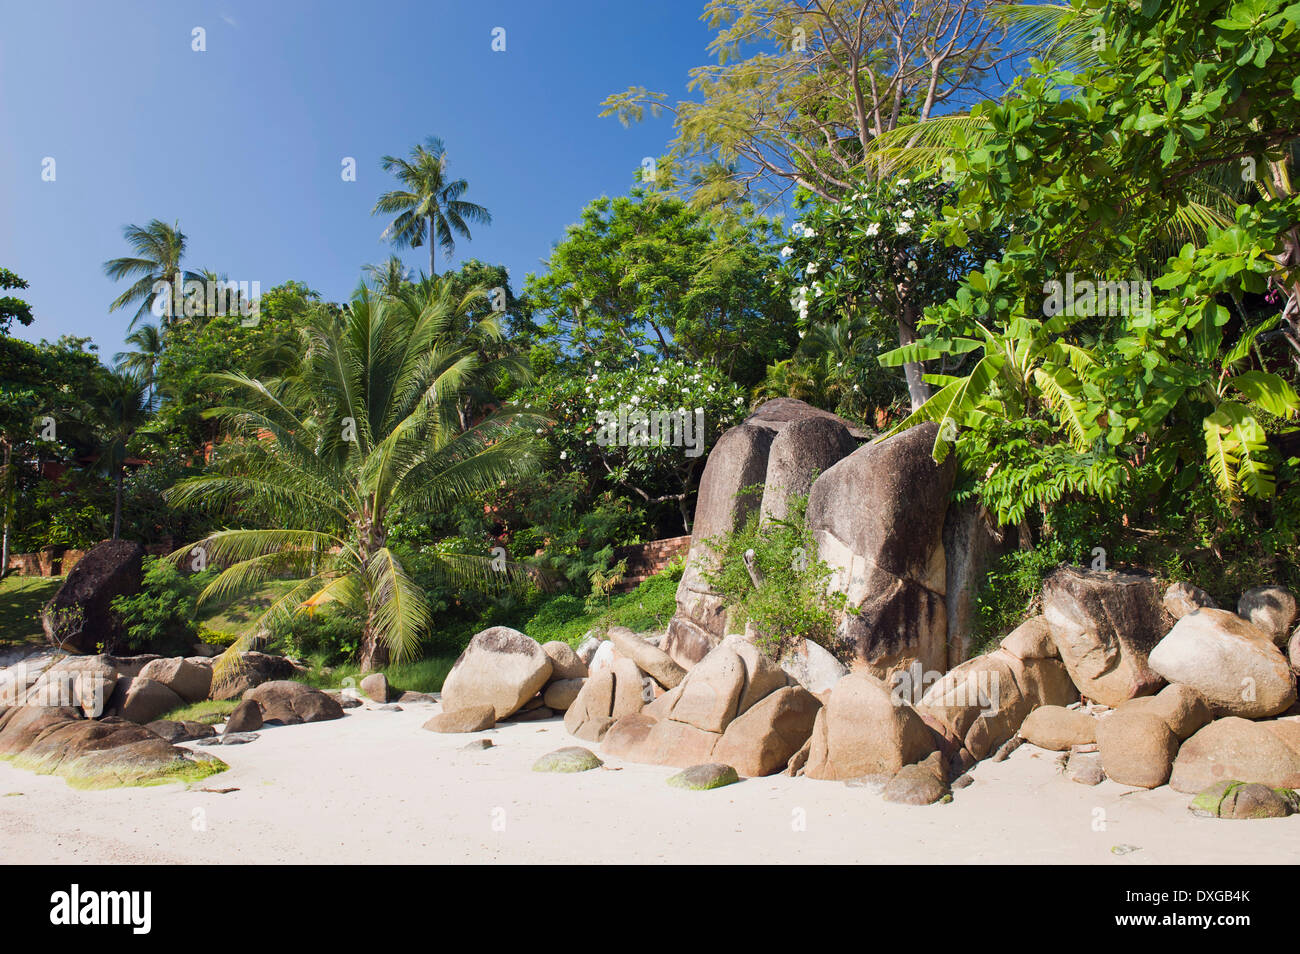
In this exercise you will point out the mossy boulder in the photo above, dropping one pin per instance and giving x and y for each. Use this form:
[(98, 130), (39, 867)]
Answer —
[(1234, 799), (572, 758), (699, 778)]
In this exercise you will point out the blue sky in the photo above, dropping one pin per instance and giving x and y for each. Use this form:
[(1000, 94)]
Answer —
[(243, 144)]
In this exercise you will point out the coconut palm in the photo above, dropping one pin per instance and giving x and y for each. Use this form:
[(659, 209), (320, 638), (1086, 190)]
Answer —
[(431, 207), (158, 248), (371, 434), (143, 361), (390, 276), (119, 408)]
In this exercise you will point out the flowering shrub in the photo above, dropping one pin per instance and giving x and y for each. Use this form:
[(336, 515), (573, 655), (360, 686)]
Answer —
[(644, 423)]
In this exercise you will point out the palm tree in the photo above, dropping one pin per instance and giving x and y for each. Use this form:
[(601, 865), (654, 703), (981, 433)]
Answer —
[(143, 361), (431, 206), (372, 435), (120, 408), (158, 248), (390, 276)]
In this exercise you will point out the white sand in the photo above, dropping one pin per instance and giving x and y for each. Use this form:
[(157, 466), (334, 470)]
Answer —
[(375, 787)]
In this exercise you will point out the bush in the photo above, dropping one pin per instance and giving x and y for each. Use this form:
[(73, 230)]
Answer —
[(160, 618), (323, 635), (792, 601)]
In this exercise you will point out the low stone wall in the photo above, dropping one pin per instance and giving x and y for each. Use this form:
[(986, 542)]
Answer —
[(53, 562), (644, 560)]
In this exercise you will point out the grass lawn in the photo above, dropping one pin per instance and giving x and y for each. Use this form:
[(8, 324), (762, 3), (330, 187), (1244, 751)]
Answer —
[(21, 599), (238, 616)]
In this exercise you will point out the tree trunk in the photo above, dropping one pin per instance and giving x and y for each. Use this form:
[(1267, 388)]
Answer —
[(117, 506), (374, 651), (917, 390), (433, 251), (4, 488)]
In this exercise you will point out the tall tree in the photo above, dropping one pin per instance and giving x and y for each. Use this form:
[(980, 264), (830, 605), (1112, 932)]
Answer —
[(431, 208), (12, 309), (120, 410), (801, 88), (143, 361), (159, 249), (377, 437)]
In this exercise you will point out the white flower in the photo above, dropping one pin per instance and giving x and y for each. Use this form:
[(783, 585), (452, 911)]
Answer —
[(912, 265), (787, 252), (809, 233), (564, 455), (909, 213), (873, 229), (904, 182), (904, 227), (597, 363), (812, 268)]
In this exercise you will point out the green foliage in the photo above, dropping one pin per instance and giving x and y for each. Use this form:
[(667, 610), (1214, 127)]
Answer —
[(324, 635), (11, 308), (648, 607), (793, 601), (1011, 591), (647, 273), (160, 617)]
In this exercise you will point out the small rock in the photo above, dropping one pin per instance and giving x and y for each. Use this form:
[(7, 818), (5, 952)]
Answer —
[(921, 783), (246, 717), (388, 707), (411, 698), (963, 781), (1183, 598), (1084, 769), (704, 777), (572, 758), (1271, 608), (1234, 799), (375, 687), (1057, 728), (469, 719), (1007, 747), (175, 732), (229, 738), (477, 745)]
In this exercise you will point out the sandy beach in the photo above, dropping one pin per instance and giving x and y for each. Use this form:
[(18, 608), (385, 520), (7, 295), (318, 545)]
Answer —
[(375, 787)]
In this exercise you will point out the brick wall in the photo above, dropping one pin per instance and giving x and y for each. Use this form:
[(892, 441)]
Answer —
[(58, 563), (644, 560)]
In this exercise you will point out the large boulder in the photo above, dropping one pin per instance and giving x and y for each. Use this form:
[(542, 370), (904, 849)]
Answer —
[(1241, 750), (500, 667), (710, 693), (291, 703), (737, 461), (469, 719), (877, 517), (972, 544), (1181, 708), (982, 703), (1058, 728), (863, 730), (650, 659), (565, 663), (190, 680), (95, 753), (802, 450), (762, 740), (1104, 623), (86, 682), (80, 617), (142, 700), (234, 675), (1234, 665), (1137, 747), (1032, 639), (812, 666), (1271, 608), (590, 714), (642, 738)]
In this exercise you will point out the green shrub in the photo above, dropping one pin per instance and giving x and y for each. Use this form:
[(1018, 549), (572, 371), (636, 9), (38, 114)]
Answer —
[(1010, 593), (792, 601), (160, 617), (322, 635)]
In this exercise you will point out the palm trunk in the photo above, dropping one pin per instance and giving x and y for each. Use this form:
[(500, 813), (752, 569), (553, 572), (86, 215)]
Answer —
[(433, 251), (117, 506), (4, 488), (374, 651)]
